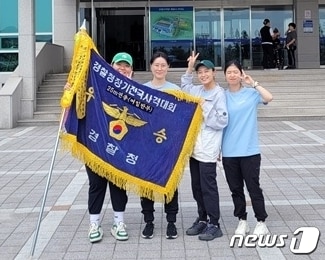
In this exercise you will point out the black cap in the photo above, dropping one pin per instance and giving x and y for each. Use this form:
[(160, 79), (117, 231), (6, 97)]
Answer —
[(266, 21)]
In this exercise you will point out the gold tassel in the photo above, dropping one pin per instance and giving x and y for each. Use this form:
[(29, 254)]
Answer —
[(79, 72), (129, 182)]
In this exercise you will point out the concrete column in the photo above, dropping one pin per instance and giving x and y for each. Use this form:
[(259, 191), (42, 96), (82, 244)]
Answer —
[(65, 26), (307, 14), (26, 60)]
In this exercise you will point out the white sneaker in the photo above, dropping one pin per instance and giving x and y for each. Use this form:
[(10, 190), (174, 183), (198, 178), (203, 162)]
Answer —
[(242, 228), (119, 231), (261, 229), (95, 233)]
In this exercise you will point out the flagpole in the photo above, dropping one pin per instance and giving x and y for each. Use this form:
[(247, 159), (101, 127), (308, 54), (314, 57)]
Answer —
[(47, 183)]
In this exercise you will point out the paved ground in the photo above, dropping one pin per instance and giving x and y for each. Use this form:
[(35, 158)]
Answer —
[(293, 179)]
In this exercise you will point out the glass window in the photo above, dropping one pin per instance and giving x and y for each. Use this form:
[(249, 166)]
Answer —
[(9, 41), (8, 35), (208, 35), (322, 34), (8, 61), (43, 38), (43, 16), (237, 36), (8, 16), (9, 30)]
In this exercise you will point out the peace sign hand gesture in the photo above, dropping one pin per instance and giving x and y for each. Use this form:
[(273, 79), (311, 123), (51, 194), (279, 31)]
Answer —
[(191, 61), (248, 80)]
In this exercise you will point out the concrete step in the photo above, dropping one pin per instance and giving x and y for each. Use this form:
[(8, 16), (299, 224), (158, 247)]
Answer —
[(296, 102), (49, 94), (48, 115), (299, 96), (54, 82), (50, 89), (61, 76), (38, 122), (264, 115), (48, 100), (294, 110), (48, 108)]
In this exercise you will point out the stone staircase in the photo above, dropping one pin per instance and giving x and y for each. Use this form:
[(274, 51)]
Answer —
[(48, 109), (297, 94)]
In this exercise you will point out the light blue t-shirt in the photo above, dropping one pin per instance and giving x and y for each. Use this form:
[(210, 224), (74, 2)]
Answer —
[(240, 137), (167, 85)]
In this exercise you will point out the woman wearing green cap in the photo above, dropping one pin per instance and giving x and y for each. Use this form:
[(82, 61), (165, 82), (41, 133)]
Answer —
[(122, 62), (203, 161)]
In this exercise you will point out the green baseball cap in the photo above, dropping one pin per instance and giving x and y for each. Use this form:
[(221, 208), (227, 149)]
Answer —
[(122, 56), (206, 63)]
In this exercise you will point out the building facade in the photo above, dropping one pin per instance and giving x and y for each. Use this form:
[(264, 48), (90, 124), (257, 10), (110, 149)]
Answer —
[(219, 30)]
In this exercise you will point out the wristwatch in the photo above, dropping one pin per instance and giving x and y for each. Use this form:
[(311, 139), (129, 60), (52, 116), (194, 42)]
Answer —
[(256, 83)]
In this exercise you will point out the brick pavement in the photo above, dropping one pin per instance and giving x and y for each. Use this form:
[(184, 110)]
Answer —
[(292, 177)]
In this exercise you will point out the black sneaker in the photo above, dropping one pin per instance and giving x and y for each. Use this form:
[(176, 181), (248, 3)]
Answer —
[(171, 232), (196, 228), (148, 230), (211, 232)]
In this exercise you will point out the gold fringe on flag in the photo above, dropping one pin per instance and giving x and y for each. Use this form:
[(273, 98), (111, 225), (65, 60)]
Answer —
[(79, 73), (129, 182)]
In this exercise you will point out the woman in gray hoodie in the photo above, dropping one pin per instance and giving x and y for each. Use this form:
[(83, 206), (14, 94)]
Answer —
[(206, 150)]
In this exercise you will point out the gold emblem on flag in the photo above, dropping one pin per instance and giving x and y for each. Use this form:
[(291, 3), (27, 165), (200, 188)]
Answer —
[(118, 128)]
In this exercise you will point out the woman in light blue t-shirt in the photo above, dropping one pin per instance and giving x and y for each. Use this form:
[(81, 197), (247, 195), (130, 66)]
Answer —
[(240, 148)]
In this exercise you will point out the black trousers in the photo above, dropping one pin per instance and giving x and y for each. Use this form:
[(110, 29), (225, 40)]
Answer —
[(291, 57), (97, 192), (268, 56), (171, 209), (245, 169), (205, 190)]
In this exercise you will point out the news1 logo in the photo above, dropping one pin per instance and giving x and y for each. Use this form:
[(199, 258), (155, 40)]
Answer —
[(305, 245)]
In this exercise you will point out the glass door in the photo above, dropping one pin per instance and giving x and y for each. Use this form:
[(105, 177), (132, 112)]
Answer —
[(208, 35), (236, 40), (322, 35)]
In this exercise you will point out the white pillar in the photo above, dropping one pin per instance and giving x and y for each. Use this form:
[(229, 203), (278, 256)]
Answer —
[(26, 60), (65, 26)]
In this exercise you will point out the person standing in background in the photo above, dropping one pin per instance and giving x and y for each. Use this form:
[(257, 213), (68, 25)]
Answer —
[(267, 38), (278, 50), (291, 45)]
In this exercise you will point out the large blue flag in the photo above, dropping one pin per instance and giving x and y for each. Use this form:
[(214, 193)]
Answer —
[(137, 137)]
